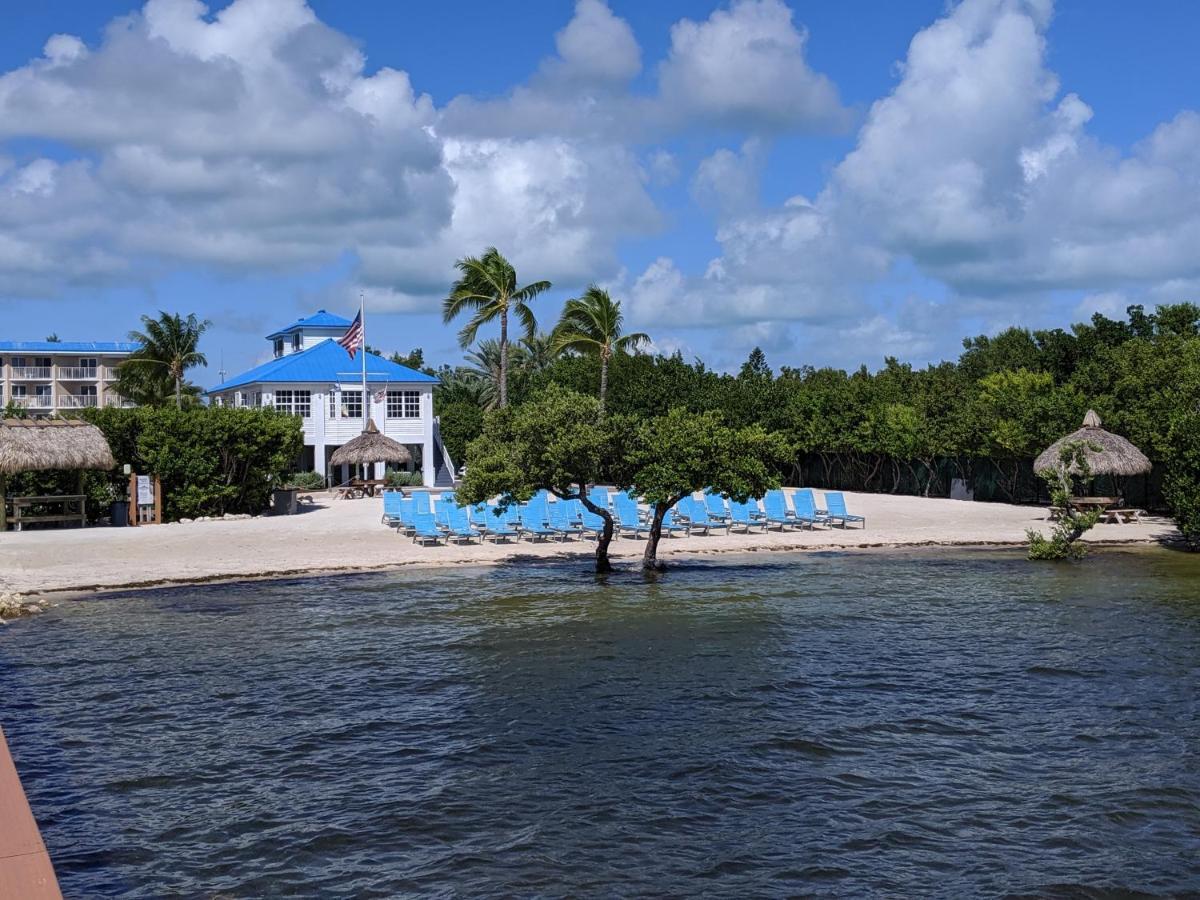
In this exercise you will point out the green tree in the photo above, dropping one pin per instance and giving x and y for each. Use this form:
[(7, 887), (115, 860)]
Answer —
[(675, 455), (486, 364), (555, 441), (539, 353), (1063, 541), (487, 288), (592, 325), (169, 347), (755, 365), (1182, 483)]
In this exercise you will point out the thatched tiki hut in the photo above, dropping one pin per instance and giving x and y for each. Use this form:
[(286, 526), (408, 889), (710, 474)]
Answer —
[(1106, 453), (31, 445), (371, 447)]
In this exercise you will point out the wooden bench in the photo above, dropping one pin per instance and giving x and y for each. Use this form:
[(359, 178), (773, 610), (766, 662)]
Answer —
[(23, 510), (1122, 516)]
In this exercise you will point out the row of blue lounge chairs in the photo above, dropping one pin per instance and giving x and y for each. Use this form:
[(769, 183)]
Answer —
[(443, 520)]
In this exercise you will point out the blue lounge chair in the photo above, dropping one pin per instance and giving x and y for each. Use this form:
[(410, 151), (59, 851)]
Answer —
[(425, 530), (671, 527), (592, 524), (695, 514), (560, 520), (421, 502), (407, 513), (626, 518), (533, 517), (777, 513), (746, 515), (599, 497), (835, 508), (490, 523), (805, 507), (454, 522), (391, 507), (717, 511)]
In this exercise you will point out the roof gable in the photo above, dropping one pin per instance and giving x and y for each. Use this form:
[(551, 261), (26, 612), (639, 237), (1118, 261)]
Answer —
[(319, 319), (326, 363)]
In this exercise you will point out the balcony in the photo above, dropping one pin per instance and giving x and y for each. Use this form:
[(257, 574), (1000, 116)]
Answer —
[(75, 401), (77, 373), (110, 373), (30, 373), (41, 401)]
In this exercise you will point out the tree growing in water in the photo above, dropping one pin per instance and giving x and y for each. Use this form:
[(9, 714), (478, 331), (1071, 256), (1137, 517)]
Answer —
[(1071, 524), (682, 452), (556, 441)]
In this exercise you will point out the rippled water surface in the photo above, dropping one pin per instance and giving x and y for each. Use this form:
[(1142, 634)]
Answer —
[(933, 724)]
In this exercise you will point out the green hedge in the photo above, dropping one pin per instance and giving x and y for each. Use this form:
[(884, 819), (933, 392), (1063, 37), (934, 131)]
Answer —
[(210, 460)]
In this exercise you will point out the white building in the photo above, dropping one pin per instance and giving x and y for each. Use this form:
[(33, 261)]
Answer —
[(314, 377), (47, 377)]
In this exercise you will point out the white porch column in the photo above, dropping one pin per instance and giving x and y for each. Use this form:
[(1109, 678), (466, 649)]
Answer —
[(428, 471)]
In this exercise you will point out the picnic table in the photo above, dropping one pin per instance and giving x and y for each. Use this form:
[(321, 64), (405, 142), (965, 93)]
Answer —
[(1111, 509), (1086, 504), (360, 487), (31, 510)]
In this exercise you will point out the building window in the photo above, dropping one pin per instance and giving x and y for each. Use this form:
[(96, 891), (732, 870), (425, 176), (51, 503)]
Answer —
[(257, 399), (18, 390), (17, 362), (87, 363), (43, 362), (352, 404), (298, 403), (278, 347), (404, 404), (297, 341)]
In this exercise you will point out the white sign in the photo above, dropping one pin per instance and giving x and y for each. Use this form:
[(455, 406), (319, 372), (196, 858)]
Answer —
[(145, 491)]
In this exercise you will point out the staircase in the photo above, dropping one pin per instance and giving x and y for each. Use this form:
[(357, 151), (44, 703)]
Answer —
[(443, 465)]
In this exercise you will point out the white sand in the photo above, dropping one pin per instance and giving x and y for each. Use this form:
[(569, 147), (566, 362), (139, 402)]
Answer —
[(345, 535)]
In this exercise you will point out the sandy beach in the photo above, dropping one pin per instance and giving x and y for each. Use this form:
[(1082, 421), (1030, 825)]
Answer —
[(346, 535)]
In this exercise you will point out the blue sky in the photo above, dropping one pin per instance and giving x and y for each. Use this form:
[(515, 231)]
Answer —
[(834, 182)]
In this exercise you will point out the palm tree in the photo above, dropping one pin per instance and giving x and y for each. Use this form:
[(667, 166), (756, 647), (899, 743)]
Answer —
[(591, 324), (484, 364), (168, 350), (487, 286), (540, 352)]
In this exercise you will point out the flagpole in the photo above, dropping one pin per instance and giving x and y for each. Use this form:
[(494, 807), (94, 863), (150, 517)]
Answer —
[(362, 317)]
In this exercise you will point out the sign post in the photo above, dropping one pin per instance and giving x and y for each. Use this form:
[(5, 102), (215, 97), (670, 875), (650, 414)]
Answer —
[(145, 496)]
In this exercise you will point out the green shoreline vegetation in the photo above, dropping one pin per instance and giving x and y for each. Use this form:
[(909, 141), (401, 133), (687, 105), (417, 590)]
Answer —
[(979, 421)]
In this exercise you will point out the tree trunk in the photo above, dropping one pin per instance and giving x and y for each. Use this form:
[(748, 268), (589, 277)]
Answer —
[(504, 357), (650, 556), (603, 378), (178, 392), (603, 566)]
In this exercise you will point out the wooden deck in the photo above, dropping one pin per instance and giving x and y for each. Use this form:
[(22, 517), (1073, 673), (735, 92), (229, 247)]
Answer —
[(25, 869)]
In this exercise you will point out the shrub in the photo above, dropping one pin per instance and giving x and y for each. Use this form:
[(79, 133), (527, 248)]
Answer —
[(400, 478), (307, 481), (1182, 483), (1071, 525), (459, 423), (210, 460)]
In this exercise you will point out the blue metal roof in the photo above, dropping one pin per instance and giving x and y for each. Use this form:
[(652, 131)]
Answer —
[(67, 347), (320, 319), (326, 363)]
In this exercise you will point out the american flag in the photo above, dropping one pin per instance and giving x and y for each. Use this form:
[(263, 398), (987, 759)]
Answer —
[(352, 340)]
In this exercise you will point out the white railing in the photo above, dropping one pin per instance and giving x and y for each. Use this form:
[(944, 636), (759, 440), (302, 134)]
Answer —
[(110, 373), (77, 373), (31, 373), (43, 401), (75, 401)]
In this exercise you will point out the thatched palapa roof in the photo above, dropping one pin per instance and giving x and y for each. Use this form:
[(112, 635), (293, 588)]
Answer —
[(28, 445), (1114, 456), (370, 447)]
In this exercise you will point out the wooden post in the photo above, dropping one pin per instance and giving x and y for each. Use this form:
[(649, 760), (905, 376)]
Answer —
[(3, 503), (133, 507), (157, 501)]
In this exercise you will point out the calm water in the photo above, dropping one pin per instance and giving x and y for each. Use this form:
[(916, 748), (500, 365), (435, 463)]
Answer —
[(832, 724)]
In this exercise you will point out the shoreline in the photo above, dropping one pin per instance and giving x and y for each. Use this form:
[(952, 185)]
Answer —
[(346, 537), (82, 592)]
